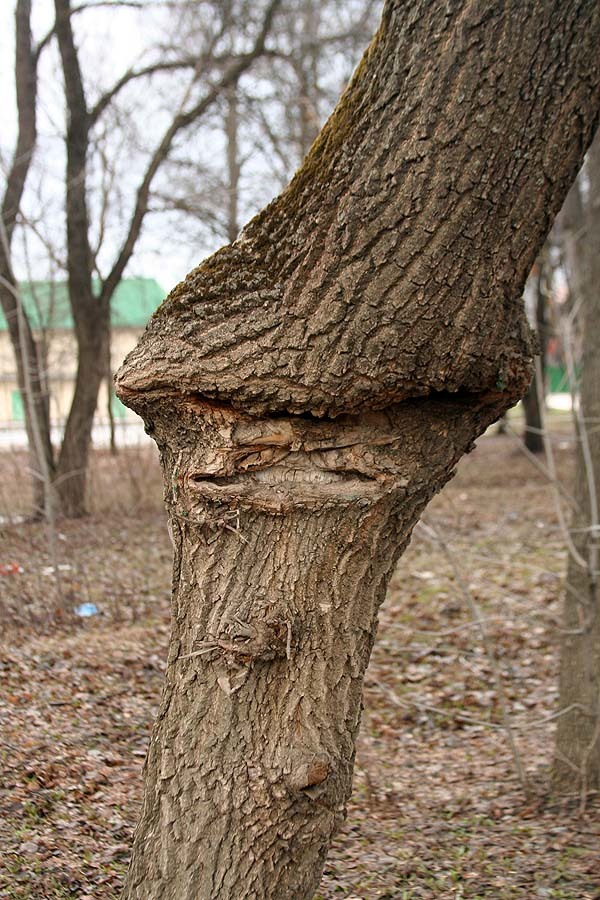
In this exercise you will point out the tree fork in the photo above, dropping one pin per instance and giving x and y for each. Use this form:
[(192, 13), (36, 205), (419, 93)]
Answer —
[(310, 387)]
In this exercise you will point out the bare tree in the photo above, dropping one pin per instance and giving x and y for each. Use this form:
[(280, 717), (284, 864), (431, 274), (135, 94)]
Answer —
[(310, 387), (30, 372), (210, 73), (577, 762), (91, 313), (270, 119)]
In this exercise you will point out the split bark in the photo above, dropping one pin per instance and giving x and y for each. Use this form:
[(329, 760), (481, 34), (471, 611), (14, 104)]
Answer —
[(310, 387)]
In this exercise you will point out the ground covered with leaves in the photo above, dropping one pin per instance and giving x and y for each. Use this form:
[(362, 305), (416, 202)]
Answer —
[(465, 665)]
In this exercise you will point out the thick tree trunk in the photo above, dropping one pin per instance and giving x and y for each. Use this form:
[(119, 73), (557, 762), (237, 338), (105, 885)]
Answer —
[(310, 387), (577, 763), (279, 574)]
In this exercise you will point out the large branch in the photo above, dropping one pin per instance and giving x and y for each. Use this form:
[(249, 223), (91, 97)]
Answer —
[(181, 121), (440, 176)]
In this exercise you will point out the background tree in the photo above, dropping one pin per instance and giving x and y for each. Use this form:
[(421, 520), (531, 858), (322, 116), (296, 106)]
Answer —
[(310, 388), (93, 272), (191, 174), (533, 402), (263, 120), (30, 372), (577, 763)]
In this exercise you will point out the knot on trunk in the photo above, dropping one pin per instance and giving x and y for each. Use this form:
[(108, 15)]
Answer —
[(243, 643), (309, 772)]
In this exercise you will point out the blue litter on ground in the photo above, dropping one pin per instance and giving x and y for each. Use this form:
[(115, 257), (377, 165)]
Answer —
[(85, 610)]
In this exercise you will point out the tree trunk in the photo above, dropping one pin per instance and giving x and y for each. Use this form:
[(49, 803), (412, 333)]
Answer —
[(305, 67), (279, 575), (32, 389), (110, 394), (71, 471), (533, 401), (30, 376), (577, 763), (90, 313), (310, 387)]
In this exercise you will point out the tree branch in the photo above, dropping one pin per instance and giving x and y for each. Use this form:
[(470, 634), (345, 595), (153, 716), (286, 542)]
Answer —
[(134, 74), (180, 121)]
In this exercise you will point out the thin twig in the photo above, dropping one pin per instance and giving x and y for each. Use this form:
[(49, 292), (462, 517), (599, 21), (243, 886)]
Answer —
[(478, 618)]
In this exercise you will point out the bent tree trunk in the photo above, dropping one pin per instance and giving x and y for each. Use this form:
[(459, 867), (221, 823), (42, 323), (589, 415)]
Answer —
[(310, 387), (577, 762)]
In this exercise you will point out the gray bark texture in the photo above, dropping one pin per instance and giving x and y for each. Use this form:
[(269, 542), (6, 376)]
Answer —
[(577, 763), (310, 387)]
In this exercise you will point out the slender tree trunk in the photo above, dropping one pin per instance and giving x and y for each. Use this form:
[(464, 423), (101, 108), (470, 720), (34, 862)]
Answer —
[(110, 394), (90, 313), (30, 375), (306, 73), (71, 471), (31, 385), (310, 387), (577, 763), (533, 401)]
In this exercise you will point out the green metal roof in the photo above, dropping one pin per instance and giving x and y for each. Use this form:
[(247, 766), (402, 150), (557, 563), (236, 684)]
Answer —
[(47, 303)]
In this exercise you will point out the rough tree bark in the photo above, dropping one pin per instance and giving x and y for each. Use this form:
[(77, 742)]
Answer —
[(577, 763), (310, 387)]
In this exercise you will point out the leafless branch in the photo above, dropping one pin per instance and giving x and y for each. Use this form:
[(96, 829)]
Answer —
[(182, 120), (478, 618)]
